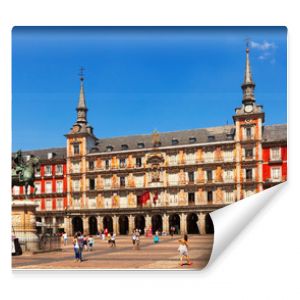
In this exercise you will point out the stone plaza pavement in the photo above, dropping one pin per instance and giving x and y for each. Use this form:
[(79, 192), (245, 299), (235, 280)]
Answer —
[(163, 255)]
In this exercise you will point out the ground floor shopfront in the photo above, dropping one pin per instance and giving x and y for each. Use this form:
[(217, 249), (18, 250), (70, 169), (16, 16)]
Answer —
[(122, 222)]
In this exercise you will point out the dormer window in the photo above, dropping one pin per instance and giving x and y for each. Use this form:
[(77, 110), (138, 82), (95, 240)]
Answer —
[(50, 155), (192, 140), (124, 147), (141, 145), (175, 142), (229, 136), (109, 148), (211, 138)]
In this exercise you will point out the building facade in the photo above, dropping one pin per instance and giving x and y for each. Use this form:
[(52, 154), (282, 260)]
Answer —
[(168, 179)]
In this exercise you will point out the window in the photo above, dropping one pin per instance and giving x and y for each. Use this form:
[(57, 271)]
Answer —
[(209, 175), (76, 185), (107, 182), (211, 138), (248, 132), (191, 177), (16, 190), (59, 186), (122, 181), (76, 167), (37, 187), (37, 173), (92, 183), (191, 198), (123, 201), (248, 174), (275, 153), (124, 147), (107, 202), (91, 165), (173, 198), (139, 180), (229, 196), (275, 174), (173, 159), (48, 170), (122, 162), (175, 142), (209, 196), (138, 162), (190, 157), (76, 202), (107, 164), (249, 153), (209, 156), (109, 148), (48, 204), (228, 155), (48, 187), (92, 203), (75, 148), (173, 179), (59, 204), (192, 140), (228, 175), (59, 169), (141, 145)]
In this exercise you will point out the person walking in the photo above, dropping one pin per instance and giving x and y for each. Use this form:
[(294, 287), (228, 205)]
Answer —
[(137, 240), (133, 238), (90, 242), (76, 248), (113, 240), (80, 239), (183, 250), (65, 238), (156, 238)]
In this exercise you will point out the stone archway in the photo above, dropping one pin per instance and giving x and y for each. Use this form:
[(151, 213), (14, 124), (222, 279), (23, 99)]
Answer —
[(108, 223), (93, 225), (77, 225), (174, 220), (123, 225), (140, 223), (192, 225), (209, 225), (157, 224)]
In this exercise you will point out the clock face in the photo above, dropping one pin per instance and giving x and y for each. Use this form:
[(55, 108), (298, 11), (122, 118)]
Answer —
[(248, 108), (76, 128)]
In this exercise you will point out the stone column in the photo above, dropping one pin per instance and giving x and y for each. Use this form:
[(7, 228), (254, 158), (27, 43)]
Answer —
[(183, 227), (54, 224), (130, 224), (116, 225), (43, 225), (148, 221), (100, 223), (85, 225), (67, 226), (165, 223), (201, 223)]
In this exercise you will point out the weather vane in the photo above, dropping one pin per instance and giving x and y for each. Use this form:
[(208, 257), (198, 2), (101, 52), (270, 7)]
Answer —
[(81, 73)]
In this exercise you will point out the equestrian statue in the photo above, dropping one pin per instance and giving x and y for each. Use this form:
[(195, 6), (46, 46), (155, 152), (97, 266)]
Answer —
[(23, 171)]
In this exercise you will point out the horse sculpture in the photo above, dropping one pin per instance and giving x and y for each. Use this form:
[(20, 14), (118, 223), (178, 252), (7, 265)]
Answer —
[(23, 174)]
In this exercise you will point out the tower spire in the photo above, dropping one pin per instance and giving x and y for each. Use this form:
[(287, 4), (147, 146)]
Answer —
[(81, 107), (248, 84)]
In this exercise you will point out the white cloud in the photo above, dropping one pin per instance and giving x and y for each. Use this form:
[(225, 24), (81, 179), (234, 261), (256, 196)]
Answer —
[(262, 46)]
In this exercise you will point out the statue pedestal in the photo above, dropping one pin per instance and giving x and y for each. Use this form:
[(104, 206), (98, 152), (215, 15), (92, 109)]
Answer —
[(24, 224)]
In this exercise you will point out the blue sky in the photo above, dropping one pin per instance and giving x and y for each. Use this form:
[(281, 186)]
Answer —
[(138, 79)]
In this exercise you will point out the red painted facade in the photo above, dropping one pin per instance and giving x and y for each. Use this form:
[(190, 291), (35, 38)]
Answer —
[(278, 162), (41, 196)]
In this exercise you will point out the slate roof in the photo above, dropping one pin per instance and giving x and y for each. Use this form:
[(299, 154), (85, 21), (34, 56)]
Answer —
[(275, 133), (221, 133), (271, 133)]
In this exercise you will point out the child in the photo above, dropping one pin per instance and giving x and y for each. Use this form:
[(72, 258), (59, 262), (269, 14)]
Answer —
[(90, 243)]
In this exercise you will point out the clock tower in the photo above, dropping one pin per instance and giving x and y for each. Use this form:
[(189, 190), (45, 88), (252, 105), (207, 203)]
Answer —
[(80, 140), (248, 120)]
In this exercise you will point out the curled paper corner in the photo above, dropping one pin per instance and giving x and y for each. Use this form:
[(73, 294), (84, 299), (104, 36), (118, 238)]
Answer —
[(231, 220)]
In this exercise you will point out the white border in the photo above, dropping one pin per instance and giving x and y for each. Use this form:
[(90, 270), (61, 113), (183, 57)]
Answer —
[(261, 263)]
